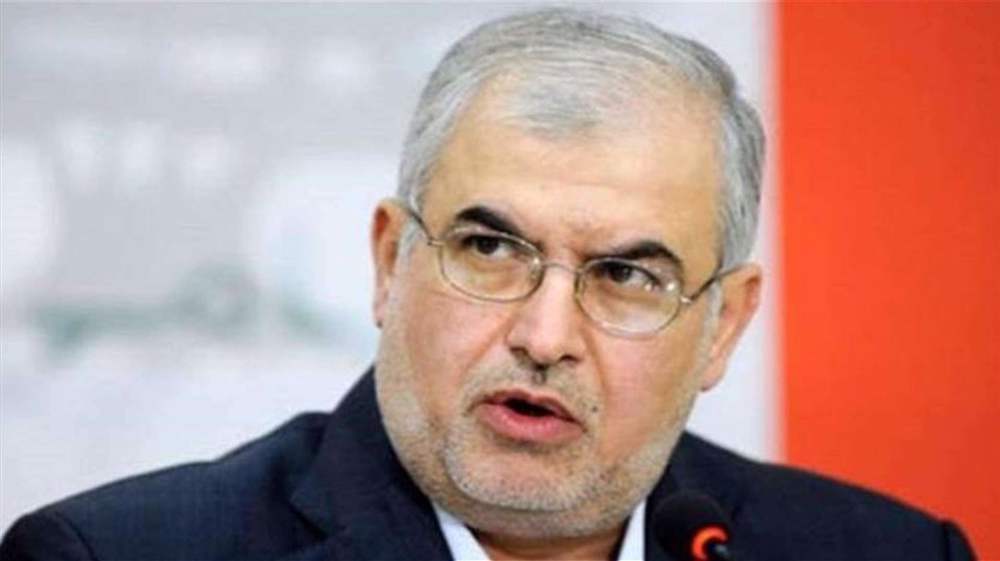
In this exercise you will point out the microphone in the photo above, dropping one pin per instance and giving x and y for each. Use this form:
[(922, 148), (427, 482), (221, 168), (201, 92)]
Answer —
[(692, 527)]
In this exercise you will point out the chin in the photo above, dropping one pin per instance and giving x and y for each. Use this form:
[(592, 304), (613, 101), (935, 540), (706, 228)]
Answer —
[(519, 476), (533, 511), (564, 494)]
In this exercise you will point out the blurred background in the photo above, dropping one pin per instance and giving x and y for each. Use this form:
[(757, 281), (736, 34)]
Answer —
[(186, 197), (186, 190)]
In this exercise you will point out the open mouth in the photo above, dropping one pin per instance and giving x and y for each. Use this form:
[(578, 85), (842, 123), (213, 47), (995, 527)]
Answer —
[(527, 417), (523, 407), (528, 405)]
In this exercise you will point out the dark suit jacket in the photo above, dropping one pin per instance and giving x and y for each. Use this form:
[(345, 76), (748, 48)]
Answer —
[(330, 487)]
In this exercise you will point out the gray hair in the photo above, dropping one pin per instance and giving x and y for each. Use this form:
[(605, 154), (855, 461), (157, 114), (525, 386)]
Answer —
[(573, 70)]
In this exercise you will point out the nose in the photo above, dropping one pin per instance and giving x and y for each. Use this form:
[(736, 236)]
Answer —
[(546, 327)]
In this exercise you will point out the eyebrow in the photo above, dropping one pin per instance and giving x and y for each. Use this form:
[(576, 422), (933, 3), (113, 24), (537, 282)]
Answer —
[(641, 249), (631, 251), (490, 218)]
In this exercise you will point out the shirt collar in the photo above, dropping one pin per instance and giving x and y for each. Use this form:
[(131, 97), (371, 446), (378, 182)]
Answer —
[(464, 547)]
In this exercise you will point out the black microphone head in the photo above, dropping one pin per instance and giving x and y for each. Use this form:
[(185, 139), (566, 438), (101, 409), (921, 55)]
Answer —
[(691, 526)]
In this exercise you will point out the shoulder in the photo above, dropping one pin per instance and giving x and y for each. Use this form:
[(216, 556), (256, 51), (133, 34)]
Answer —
[(183, 511), (798, 514)]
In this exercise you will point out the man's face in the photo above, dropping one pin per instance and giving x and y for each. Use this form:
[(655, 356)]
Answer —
[(528, 418)]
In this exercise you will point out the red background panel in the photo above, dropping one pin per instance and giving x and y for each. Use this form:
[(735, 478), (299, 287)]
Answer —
[(890, 237)]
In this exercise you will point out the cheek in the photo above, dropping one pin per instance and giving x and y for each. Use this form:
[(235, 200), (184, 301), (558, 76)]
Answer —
[(446, 335), (646, 389)]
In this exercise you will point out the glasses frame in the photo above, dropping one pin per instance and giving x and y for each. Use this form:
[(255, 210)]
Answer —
[(540, 265)]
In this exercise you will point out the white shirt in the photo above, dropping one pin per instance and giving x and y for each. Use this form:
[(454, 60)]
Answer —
[(464, 547)]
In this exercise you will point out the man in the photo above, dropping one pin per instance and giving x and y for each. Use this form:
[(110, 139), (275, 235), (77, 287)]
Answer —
[(563, 271)]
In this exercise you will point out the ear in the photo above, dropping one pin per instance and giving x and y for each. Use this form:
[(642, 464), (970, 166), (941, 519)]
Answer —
[(386, 229), (740, 300)]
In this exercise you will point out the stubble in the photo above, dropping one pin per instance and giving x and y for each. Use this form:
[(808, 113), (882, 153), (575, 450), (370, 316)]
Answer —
[(473, 474)]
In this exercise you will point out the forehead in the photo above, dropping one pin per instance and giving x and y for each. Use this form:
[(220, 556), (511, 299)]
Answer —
[(655, 174)]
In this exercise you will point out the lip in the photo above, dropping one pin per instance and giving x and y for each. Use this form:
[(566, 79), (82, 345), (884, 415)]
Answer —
[(551, 403), (556, 426)]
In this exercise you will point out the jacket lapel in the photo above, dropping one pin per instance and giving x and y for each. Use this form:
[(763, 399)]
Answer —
[(358, 495)]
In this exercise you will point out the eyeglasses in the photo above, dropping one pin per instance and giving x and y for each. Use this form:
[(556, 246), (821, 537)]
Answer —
[(622, 296)]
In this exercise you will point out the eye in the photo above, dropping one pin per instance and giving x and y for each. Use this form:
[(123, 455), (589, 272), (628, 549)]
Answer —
[(626, 275), (484, 245)]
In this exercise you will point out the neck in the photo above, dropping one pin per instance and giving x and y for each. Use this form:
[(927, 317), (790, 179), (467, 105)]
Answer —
[(598, 547)]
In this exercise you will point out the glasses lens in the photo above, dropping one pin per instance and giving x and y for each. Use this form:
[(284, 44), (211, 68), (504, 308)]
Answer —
[(488, 264), (628, 297)]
